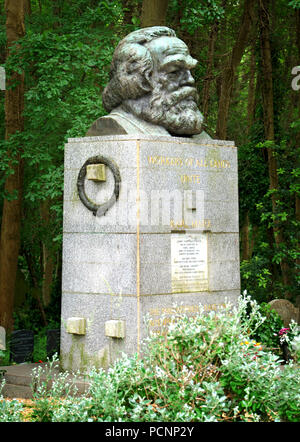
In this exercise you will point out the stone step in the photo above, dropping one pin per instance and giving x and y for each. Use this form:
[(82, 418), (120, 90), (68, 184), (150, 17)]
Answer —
[(16, 391), (18, 380)]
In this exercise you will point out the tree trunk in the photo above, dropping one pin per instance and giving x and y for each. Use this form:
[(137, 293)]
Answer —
[(27, 7), (297, 199), (297, 13), (154, 13), (48, 261), (251, 92), (230, 69), (35, 284), (209, 69), (11, 216), (268, 108), (221, 49)]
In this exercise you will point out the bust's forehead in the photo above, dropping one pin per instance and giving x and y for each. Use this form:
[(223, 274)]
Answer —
[(165, 50)]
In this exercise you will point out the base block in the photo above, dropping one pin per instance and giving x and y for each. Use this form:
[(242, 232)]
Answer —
[(169, 240)]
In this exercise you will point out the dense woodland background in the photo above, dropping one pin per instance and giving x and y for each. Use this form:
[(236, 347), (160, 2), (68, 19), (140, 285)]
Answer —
[(57, 55)]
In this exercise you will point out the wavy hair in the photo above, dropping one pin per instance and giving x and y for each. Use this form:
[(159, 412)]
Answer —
[(131, 67)]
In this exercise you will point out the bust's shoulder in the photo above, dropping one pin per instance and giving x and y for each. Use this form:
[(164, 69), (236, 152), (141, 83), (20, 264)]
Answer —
[(106, 126), (120, 122)]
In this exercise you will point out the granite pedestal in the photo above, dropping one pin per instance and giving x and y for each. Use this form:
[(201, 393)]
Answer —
[(169, 243)]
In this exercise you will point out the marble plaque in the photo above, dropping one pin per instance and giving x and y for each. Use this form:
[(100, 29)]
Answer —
[(189, 262)]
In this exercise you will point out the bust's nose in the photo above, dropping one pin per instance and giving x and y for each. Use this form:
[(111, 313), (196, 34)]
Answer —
[(187, 79)]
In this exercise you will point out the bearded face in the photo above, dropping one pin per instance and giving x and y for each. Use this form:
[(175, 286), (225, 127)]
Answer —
[(176, 111), (172, 102)]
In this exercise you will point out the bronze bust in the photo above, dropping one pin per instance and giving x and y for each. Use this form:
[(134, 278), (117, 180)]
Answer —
[(151, 89)]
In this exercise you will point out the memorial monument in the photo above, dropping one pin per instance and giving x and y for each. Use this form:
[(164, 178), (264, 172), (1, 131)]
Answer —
[(150, 207)]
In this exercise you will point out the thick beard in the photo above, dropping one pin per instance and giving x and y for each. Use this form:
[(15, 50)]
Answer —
[(175, 111)]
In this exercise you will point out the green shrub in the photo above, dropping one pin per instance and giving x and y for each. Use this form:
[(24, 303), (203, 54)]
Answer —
[(295, 348), (258, 385), (10, 410), (266, 331), (50, 389), (203, 368), (40, 346), (4, 356)]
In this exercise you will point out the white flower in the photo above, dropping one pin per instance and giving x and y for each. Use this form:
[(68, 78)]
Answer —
[(159, 372)]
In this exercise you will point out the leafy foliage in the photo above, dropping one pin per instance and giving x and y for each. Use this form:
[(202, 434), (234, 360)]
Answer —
[(65, 56), (204, 368)]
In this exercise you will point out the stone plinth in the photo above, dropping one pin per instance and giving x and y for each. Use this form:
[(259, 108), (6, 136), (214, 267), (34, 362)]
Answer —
[(169, 241)]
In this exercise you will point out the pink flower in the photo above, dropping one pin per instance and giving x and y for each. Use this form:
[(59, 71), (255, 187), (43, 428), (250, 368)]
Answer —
[(283, 331)]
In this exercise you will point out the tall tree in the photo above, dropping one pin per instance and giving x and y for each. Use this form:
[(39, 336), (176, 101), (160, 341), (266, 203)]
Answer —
[(268, 111), (209, 68), (251, 90), (230, 70), (11, 216), (154, 13), (297, 199)]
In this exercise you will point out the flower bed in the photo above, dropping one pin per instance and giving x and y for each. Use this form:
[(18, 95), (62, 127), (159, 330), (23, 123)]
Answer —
[(206, 368)]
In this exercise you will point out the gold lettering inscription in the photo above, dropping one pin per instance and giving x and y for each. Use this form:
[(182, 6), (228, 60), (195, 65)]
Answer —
[(167, 161), (158, 319), (159, 160), (201, 163), (198, 224), (190, 179)]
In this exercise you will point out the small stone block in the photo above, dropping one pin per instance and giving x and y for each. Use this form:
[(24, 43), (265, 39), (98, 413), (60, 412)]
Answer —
[(76, 326), (96, 172), (2, 339), (115, 328)]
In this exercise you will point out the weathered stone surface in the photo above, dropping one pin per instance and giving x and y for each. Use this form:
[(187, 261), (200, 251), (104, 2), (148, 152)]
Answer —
[(96, 172), (76, 326), (95, 349), (286, 310), (118, 266), (160, 308), (115, 328), (186, 160)]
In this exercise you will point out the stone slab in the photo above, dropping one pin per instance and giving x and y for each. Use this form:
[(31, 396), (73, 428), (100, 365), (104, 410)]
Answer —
[(139, 315), (16, 391), (159, 309), (95, 348), (18, 380), (137, 160), (90, 267)]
